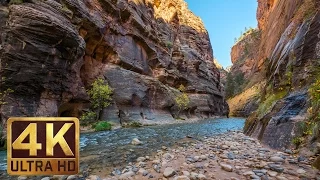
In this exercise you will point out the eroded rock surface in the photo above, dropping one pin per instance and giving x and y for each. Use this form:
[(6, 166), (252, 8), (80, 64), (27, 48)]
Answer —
[(291, 63), (51, 51)]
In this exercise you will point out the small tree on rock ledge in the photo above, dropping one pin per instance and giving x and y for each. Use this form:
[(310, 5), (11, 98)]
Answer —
[(182, 100), (100, 95)]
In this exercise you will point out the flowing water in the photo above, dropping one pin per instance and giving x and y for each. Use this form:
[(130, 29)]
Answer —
[(110, 149)]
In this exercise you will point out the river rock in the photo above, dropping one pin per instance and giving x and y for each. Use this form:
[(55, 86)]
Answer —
[(181, 178), (203, 157), (141, 159), (196, 158), (126, 175), (22, 177), (248, 173), (136, 141), (231, 155), (59, 177), (186, 173), (276, 167), (253, 176), (169, 172), (272, 173), (226, 167), (193, 176), (202, 177), (145, 173), (301, 171), (45, 178), (224, 147), (168, 156), (157, 168), (156, 161), (93, 177), (72, 177), (281, 178), (276, 159)]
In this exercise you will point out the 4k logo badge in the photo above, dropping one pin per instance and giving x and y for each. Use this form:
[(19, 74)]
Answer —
[(43, 146)]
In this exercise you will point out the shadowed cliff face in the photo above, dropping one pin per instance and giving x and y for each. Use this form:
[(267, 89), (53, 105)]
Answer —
[(51, 52), (287, 60)]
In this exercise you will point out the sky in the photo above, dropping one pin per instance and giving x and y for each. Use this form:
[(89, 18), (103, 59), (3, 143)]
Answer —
[(225, 20)]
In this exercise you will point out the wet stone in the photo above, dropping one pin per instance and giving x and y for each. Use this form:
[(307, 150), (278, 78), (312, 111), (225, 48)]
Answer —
[(276, 168)]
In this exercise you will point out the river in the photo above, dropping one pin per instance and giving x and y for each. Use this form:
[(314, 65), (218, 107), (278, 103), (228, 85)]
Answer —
[(108, 149)]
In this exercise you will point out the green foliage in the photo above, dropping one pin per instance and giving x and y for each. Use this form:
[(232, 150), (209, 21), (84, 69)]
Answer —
[(289, 77), (230, 85), (268, 104), (16, 2), (250, 30), (88, 118), (235, 84), (100, 94), (102, 126), (316, 130), (4, 94), (297, 141), (132, 125), (169, 44), (306, 128), (182, 99), (314, 94)]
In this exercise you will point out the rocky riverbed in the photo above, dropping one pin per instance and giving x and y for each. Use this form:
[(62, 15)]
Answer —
[(229, 156)]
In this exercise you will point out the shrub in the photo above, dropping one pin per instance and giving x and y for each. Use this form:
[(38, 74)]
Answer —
[(102, 126), (268, 104), (100, 95), (255, 32), (235, 84), (4, 94), (297, 141), (135, 124), (314, 94), (306, 128), (132, 124), (169, 44), (88, 118), (182, 100)]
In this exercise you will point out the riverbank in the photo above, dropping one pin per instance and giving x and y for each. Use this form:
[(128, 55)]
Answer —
[(228, 156), (145, 122)]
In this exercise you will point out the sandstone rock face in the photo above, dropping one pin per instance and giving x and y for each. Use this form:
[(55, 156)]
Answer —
[(51, 52), (244, 53), (288, 58)]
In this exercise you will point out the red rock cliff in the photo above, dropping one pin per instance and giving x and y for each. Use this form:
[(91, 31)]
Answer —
[(51, 51), (288, 59)]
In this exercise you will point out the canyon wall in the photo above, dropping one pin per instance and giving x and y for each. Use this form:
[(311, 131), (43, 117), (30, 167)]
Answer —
[(243, 74), (287, 60), (52, 51)]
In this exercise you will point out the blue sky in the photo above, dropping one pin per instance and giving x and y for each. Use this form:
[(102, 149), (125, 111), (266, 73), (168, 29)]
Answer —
[(224, 20)]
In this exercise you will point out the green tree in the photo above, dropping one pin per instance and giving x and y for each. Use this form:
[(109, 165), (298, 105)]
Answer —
[(182, 99), (239, 82), (100, 95), (230, 86)]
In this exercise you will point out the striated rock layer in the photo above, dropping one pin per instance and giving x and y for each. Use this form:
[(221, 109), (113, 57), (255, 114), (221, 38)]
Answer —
[(51, 52), (288, 58)]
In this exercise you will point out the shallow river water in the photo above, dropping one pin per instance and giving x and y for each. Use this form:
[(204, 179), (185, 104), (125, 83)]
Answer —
[(105, 150)]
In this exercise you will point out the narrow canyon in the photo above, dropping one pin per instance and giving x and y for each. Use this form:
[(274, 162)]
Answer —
[(154, 62)]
